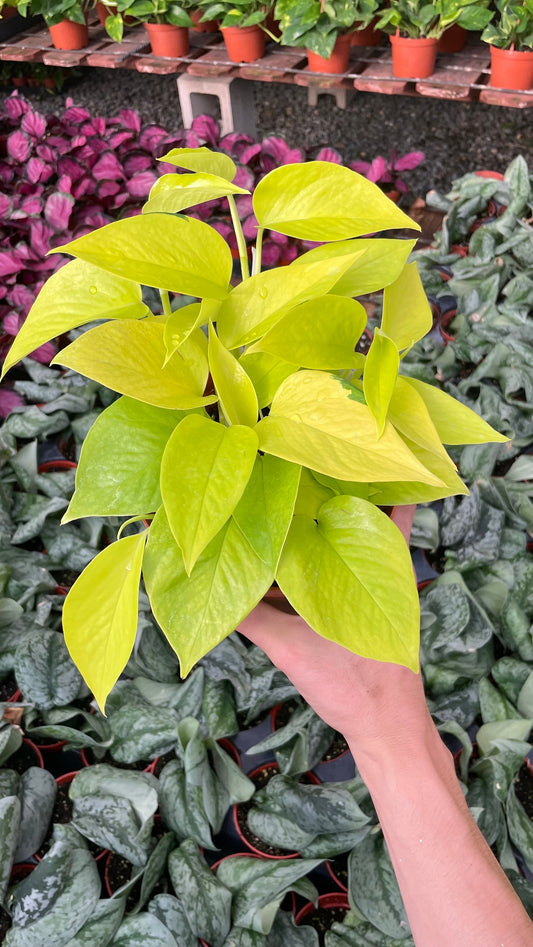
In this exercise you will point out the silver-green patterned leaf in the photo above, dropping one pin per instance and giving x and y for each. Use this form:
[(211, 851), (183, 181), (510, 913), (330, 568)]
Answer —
[(170, 911), (45, 672), (143, 930), (207, 902), (373, 888), (9, 830), (101, 927), (37, 793)]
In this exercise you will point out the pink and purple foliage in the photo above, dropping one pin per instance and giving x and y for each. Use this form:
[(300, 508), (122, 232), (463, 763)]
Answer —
[(64, 176)]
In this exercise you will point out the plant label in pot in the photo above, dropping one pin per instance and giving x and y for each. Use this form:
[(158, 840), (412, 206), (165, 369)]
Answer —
[(279, 473)]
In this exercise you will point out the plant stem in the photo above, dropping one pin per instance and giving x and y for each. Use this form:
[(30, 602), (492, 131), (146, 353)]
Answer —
[(256, 268), (165, 302), (241, 242)]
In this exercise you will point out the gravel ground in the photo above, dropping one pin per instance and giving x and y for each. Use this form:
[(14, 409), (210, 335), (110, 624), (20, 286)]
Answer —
[(456, 137)]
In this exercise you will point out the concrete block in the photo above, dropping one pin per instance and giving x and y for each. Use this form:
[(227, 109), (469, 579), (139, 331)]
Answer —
[(227, 98)]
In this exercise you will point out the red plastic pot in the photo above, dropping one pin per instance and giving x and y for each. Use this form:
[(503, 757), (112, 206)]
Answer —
[(49, 466), (210, 26), (244, 43), (30, 749), (511, 68), (168, 40), (69, 35), (452, 40), (413, 58), (326, 902), (367, 36), (337, 62), (276, 598)]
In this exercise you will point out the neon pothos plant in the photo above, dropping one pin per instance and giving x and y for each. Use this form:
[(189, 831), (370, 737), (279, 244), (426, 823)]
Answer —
[(250, 435)]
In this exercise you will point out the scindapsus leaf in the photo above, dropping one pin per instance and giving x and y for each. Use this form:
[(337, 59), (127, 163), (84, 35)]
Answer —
[(319, 200), (353, 562), (100, 614), (204, 471)]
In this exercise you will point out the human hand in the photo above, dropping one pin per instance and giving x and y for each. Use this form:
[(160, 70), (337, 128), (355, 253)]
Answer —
[(357, 696)]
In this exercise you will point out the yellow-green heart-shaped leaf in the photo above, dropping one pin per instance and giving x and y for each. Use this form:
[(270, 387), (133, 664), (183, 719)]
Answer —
[(179, 326), (204, 471), (319, 200), (174, 192), (380, 375), (256, 304), (318, 420), (180, 254), (266, 372), (381, 263), (353, 562), (100, 614), (129, 357), (455, 423), (119, 466), (443, 468), (235, 390), (78, 293), (319, 333), (311, 495), (197, 612), (202, 159), (264, 511), (409, 415), (406, 311), (344, 487)]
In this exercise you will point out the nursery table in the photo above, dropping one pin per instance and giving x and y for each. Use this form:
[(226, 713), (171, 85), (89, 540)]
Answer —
[(462, 76)]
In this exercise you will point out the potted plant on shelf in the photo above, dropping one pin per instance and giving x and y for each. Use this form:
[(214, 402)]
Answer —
[(166, 22), (243, 25), (66, 20), (323, 29), (510, 36), (261, 449), (415, 28)]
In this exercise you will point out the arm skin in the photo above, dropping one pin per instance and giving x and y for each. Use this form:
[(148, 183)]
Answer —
[(454, 891)]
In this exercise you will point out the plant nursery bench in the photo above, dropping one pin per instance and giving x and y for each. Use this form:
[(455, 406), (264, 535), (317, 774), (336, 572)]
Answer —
[(206, 73)]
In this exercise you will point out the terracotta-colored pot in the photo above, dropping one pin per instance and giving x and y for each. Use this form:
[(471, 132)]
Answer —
[(69, 35), (367, 36), (276, 598), (326, 902), (168, 40), (413, 58), (337, 62), (511, 68), (244, 43), (452, 40), (210, 26), (103, 12)]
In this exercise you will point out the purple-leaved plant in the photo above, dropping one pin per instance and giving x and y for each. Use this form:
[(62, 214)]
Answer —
[(386, 171)]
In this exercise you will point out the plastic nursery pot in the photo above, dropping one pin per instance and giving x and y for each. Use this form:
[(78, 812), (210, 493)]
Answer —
[(27, 755), (168, 40), (367, 36), (69, 35), (244, 43), (452, 40), (337, 62), (50, 466), (511, 68), (413, 58), (276, 598), (210, 26), (329, 908)]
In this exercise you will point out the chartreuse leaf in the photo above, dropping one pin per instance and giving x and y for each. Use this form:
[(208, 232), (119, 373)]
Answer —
[(410, 416), (179, 326), (390, 494), (317, 420), (319, 333), (256, 304), (119, 466), (199, 611), (174, 192), (406, 311), (235, 391), (204, 471), (180, 254), (202, 159), (360, 590), (129, 357), (455, 423), (265, 509), (311, 494), (266, 372), (380, 374), (100, 614), (78, 293), (319, 200), (380, 264)]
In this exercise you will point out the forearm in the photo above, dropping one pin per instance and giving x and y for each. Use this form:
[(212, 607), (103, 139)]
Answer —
[(453, 889)]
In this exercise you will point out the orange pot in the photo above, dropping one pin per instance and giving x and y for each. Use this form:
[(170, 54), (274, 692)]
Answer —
[(244, 43), (210, 26), (337, 62), (366, 37), (511, 68), (69, 35), (413, 58), (453, 40), (168, 40)]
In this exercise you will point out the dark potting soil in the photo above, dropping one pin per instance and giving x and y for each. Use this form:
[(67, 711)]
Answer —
[(322, 919), (162, 761), (62, 815), (523, 785), (118, 872), (24, 757), (8, 687), (5, 924), (339, 868), (338, 748)]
